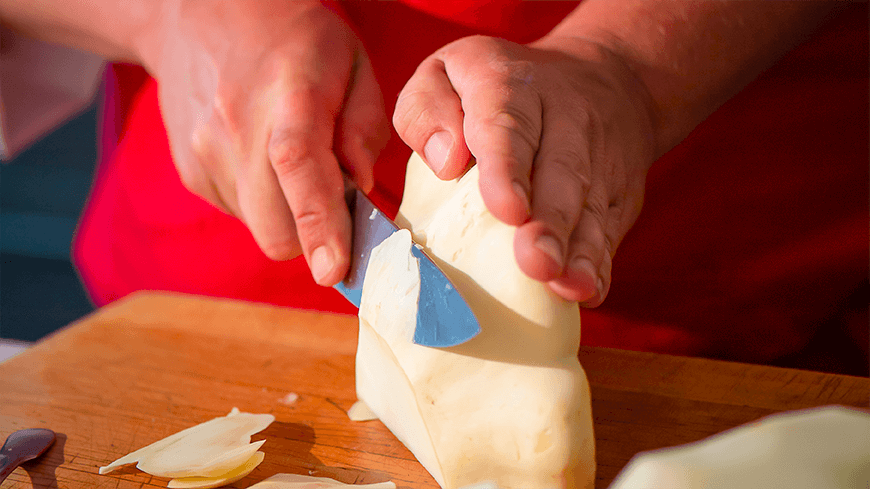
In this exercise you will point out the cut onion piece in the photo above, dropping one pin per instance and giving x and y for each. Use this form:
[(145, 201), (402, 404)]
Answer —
[(228, 478), (210, 449)]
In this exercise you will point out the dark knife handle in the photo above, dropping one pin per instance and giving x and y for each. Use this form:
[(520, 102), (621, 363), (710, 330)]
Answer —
[(6, 467), (22, 446)]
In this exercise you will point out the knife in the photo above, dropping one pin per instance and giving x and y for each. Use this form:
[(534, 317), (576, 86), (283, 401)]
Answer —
[(443, 316)]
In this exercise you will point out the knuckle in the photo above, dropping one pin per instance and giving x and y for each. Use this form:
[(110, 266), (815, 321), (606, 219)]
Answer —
[(597, 208), (563, 219), (564, 201), (413, 110), (312, 222), (519, 122), (570, 165), (289, 154)]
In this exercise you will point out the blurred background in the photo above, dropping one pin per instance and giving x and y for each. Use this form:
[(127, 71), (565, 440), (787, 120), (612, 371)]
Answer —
[(42, 193)]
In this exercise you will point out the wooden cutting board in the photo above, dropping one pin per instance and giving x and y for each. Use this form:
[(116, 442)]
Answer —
[(153, 364)]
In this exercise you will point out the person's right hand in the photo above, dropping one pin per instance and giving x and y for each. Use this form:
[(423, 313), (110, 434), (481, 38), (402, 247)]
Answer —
[(261, 100)]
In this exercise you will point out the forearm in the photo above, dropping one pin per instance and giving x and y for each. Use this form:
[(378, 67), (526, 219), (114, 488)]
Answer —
[(691, 56), (111, 28)]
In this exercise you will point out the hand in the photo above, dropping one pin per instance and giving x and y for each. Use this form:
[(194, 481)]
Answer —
[(563, 134), (261, 100)]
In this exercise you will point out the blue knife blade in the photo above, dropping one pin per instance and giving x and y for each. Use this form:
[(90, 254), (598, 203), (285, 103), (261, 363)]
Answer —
[(443, 316)]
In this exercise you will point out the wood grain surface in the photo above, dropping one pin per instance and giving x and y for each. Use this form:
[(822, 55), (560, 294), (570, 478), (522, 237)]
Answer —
[(153, 364)]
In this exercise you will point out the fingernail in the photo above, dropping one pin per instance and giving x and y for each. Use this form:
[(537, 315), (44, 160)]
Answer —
[(551, 247), (584, 267), (321, 263), (524, 197), (436, 150), (599, 284)]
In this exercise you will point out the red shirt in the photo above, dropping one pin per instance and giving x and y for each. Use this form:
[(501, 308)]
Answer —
[(754, 229)]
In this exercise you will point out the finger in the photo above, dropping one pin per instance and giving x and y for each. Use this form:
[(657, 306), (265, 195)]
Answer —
[(300, 152), (503, 128), (248, 191), (559, 189), (612, 218), (362, 130), (265, 211), (587, 273), (428, 117), (602, 284)]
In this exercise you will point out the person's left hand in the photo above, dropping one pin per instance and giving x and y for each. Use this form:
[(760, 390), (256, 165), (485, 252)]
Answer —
[(563, 134)]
